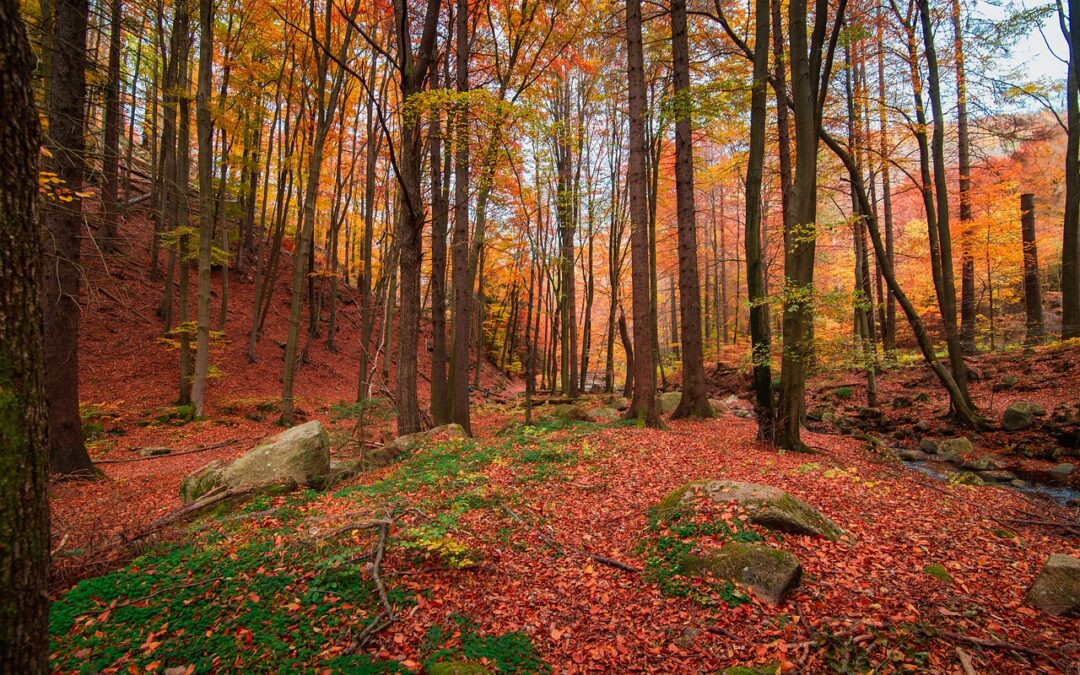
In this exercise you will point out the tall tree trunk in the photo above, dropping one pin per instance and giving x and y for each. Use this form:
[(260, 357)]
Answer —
[(1070, 239), (760, 333), (181, 214), (110, 165), (643, 407), (62, 221), (24, 442), (695, 400), (440, 399), (205, 131), (888, 340), (1032, 293), (963, 151), (459, 358)]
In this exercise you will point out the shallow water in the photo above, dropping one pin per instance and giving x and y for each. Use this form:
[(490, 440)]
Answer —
[(1062, 494)]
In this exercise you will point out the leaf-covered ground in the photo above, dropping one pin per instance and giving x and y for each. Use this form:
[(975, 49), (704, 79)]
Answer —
[(926, 568)]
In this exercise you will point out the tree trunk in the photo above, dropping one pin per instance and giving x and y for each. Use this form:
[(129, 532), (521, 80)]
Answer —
[(760, 333), (963, 149), (440, 399), (459, 359), (110, 165), (1032, 293), (205, 131), (643, 407), (24, 428), (1070, 239), (695, 400), (62, 220)]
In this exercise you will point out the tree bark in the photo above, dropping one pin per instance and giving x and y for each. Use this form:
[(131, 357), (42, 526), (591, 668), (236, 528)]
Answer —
[(24, 443), (204, 127), (643, 406), (1070, 240), (459, 359), (963, 150), (110, 166), (62, 219), (1032, 293)]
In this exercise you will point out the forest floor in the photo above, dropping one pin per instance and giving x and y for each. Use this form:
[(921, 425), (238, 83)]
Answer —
[(525, 549)]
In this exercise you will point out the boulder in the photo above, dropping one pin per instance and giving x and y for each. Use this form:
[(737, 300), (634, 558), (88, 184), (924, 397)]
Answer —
[(913, 455), (768, 506), (982, 464), (619, 403), (1006, 382), (1021, 415), (405, 445), (959, 444), (668, 401), (1060, 472), (1056, 590), (603, 415), (998, 476), (929, 446), (568, 411), (769, 572), (966, 478), (297, 456), (901, 402)]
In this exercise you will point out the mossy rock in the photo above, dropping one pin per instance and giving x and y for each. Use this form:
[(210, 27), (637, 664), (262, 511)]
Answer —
[(456, 668), (768, 506), (603, 415), (297, 456), (569, 411), (769, 572), (966, 478), (668, 401), (960, 445), (619, 403), (1021, 415), (1056, 590), (405, 445)]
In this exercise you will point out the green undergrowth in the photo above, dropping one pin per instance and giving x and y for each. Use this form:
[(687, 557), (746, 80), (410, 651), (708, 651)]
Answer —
[(256, 594), (508, 652), (672, 536)]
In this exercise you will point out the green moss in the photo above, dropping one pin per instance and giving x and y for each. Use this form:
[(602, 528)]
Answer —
[(509, 652), (672, 504), (939, 572), (770, 669)]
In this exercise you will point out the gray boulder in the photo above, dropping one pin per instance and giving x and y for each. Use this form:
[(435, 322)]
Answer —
[(768, 506), (770, 573), (668, 401), (1021, 415), (929, 446), (297, 456), (1056, 590), (982, 464), (1060, 472), (913, 455), (603, 415), (959, 444), (568, 411)]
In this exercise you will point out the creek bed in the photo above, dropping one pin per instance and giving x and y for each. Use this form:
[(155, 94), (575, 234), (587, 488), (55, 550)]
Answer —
[(1062, 494)]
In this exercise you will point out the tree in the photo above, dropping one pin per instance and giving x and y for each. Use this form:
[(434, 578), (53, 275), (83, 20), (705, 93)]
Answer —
[(760, 334), (110, 166), (643, 406), (24, 447), (1032, 293), (811, 67), (204, 131), (63, 220), (695, 400), (963, 155), (459, 357), (1070, 239)]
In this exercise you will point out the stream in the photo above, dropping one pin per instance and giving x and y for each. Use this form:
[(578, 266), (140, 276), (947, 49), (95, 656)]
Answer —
[(1062, 494)]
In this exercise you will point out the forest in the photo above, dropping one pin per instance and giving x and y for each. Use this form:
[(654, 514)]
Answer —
[(536, 336)]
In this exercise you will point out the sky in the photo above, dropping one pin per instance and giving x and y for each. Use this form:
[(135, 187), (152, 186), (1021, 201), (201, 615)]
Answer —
[(1036, 52)]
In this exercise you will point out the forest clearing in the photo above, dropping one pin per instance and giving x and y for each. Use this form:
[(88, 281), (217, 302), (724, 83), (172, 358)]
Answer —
[(458, 337)]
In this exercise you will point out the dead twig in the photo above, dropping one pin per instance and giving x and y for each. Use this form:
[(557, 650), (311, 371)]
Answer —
[(1003, 645), (550, 541), (386, 616), (215, 496), (201, 448)]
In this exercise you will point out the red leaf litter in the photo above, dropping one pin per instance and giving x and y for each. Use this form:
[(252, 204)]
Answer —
[(581, 615)]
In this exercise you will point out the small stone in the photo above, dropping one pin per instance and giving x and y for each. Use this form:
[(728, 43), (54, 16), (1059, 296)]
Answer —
[(1021, 415), (1061, 472), (913, 456), (960, 444), (921, 426), (1006, 382), (1019, 483), (1056, 590), (929, 446), (966, 478), (981, 464), (998, 476)]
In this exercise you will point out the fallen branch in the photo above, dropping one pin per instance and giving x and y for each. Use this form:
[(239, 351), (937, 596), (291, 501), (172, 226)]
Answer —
[(201, 448), (209, 499), (986, 643), (550, 541), (385, 617)]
